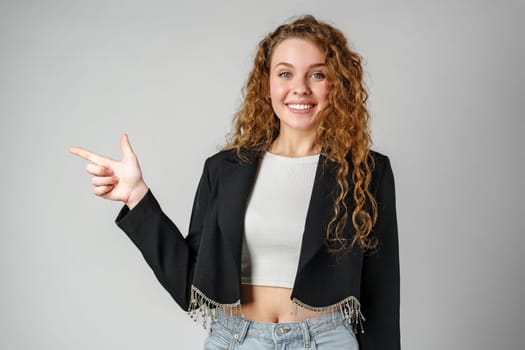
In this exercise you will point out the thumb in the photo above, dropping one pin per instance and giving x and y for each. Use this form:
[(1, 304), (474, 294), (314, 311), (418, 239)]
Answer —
[(125, 146)]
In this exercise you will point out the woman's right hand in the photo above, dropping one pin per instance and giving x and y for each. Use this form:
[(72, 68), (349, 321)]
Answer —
[(116, 180)]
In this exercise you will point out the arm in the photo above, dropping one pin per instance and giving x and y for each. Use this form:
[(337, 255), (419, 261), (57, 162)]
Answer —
[(380, 275), (171, 256)]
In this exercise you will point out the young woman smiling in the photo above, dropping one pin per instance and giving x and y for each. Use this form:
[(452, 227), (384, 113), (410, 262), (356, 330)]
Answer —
[(293, 235)]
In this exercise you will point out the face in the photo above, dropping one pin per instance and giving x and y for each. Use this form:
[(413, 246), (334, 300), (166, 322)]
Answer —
[(298, 86)]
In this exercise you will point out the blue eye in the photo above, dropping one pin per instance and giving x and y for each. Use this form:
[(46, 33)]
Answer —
[(285, 75), (318, 75)]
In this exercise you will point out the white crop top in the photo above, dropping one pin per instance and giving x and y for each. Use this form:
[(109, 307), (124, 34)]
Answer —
[(275, 220)]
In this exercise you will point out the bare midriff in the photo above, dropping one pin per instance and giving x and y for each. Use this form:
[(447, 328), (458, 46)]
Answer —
[(272, 305)]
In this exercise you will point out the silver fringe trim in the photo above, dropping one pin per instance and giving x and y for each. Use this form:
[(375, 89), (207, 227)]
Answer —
[(349, 307), (201, 305)]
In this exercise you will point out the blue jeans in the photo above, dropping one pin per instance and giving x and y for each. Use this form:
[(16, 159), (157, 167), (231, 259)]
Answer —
[(327, 332)]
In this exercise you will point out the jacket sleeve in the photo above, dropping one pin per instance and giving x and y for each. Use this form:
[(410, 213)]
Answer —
[(380, 275), (171, 256)]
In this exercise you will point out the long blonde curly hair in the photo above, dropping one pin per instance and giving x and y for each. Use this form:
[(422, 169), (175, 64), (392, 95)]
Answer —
[(343, 127)]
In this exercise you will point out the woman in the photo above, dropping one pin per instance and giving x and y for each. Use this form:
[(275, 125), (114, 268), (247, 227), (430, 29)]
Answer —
[(293, 235)]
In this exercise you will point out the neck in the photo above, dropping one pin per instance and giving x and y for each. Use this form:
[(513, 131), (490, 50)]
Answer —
[(295, 145)]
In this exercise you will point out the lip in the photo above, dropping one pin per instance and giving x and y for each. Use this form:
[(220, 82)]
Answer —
[(299, 102), (300, 111)]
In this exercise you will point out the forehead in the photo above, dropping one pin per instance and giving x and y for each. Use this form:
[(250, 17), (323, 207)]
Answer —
[(297, 51)]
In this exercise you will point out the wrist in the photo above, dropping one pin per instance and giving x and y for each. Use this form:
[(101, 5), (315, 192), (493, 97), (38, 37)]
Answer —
[(137, 194)]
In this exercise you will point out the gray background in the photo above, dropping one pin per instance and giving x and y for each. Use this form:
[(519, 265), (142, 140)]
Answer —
[(447, 100)]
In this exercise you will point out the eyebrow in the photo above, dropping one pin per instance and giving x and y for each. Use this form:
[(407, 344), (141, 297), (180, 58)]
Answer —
[(315, 65)]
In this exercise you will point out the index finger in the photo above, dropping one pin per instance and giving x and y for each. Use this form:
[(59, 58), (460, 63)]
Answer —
[(93, 157)]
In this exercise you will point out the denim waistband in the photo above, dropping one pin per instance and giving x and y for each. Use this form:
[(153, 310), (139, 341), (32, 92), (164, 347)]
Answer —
[(240, 327)]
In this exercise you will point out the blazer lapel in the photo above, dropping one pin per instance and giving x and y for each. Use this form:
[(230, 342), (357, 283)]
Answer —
[(237, 180), (320, 210)]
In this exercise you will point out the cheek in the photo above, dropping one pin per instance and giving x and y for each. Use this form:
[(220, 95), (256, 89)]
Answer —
[(277, 106), (276, 90), (274, 93), (322, 92)]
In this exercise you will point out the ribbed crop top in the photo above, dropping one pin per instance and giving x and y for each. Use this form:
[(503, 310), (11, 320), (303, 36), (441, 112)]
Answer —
[(275, 220)]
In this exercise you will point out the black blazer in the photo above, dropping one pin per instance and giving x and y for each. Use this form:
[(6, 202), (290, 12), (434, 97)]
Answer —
[(203, 269)]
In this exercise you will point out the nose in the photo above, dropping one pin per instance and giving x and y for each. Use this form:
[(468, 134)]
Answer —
[(301, 87)]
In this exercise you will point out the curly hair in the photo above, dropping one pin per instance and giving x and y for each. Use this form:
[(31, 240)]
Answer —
[(343, 129)]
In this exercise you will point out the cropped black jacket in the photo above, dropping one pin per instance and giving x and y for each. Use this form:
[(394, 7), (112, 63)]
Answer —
[(202, 270)]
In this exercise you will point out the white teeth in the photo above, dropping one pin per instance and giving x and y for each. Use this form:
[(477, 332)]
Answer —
[(299, 106)]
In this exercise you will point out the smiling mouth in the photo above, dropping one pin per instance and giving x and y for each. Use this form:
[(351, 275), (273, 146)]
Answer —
[(300, 107)]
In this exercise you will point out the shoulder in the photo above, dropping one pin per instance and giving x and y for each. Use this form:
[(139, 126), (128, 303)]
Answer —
[(224, 158), (233, 156), (380, 158), (382, 174), (223, 155), (380, 161), (381, 169)]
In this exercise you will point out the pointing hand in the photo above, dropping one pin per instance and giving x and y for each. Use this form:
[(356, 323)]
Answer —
[(113, 179)]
